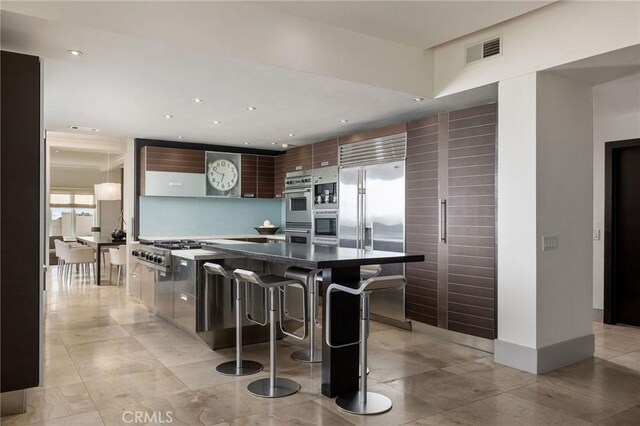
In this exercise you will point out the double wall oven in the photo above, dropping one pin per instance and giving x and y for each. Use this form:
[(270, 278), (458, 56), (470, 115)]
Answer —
[(325, 206), (298, 200)]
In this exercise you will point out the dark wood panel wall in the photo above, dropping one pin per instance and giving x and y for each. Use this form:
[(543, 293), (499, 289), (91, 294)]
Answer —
[(421, 195), (161, 159), (299, 158), (325, 153), (279, 172), (21, 252), (266, 170), (248, 176), (452, 157)]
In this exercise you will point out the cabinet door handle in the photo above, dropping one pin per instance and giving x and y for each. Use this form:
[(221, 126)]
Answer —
[(249, 195), (443, 220), (176, 184)]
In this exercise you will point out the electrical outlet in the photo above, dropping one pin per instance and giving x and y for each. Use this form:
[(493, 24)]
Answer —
[(550, 242), (596, 234)]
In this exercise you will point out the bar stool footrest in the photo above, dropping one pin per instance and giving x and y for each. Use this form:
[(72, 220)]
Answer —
[(304, 355), (246, 368), (376, 403), (262, 388)]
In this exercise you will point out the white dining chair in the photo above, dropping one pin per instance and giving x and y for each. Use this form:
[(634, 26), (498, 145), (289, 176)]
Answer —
[(61, 249), (117, 257), (81, 256)]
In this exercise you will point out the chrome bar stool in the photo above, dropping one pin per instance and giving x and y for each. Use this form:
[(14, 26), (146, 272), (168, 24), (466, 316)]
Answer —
[(362, 401), (274, 387), (310, 278), (239, 367)]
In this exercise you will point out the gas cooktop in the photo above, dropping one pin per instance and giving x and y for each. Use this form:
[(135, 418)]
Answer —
[(177, 244)]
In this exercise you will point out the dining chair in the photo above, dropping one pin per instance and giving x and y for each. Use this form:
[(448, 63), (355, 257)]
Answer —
[(117, 257)]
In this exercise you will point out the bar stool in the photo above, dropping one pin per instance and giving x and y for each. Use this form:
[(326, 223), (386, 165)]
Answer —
[(310, 278), (362, 401), (239, 367), (274, 387)]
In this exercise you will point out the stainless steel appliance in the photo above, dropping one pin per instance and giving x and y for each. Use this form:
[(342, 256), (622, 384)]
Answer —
[(371, 209), (298, 204), (325, 188), (325, 227), (153, 257)]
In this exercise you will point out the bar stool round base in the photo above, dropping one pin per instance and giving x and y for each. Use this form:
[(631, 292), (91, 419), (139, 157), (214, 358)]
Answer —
[(246, 368), (262, 388), (376, 403), (304, 355)]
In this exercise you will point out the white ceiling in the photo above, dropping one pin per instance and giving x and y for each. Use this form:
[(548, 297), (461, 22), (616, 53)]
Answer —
[(126, 85), (421, 24), (65, 158)]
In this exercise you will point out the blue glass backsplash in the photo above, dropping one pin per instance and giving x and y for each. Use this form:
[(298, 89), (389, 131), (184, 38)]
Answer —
[(181, 216)]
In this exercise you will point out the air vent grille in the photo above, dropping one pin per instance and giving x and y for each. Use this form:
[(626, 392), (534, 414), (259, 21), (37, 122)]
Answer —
[(374, 151), (484, 50)]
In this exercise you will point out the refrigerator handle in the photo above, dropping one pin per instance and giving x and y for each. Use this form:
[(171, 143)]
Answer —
[(358, 205), (443, 220), (363, 210), (368, 236)]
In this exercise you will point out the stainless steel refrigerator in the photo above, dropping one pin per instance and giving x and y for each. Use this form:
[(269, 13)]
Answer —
[(372, 209)]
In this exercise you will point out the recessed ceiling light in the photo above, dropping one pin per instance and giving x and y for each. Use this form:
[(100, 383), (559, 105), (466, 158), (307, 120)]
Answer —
[(168, 116), (251, 108), (216, 122), (74, 52), (57, 150), (274, 143), (344, 121), (292, 135), (285, 145), (418, 99), (246, 143), (198, 100), (180, 137), (84, 129)]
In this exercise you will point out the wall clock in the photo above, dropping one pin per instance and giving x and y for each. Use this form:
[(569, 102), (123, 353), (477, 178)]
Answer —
[(223, 174)]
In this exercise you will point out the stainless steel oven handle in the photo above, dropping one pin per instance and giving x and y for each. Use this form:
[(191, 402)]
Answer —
[(293, 191), (443, 220), (298, 231)]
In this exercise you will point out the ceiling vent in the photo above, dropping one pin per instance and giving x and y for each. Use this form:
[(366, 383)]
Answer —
[(484, 50)]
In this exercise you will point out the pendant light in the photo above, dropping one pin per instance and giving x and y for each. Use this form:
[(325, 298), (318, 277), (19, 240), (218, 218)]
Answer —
[(107, 191)]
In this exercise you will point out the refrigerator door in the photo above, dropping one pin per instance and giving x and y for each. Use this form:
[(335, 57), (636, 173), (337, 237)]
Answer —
[(348, 207), (384, 229)]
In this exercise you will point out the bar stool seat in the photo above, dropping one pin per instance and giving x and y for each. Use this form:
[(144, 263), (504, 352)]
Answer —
[(239, 367), (274, 387), (362, 402)]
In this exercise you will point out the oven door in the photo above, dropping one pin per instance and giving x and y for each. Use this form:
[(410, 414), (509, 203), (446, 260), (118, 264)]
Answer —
[(302, 236), (298, 206), (325, 226)]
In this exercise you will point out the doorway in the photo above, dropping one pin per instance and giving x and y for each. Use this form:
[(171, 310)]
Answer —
[(622, 233)]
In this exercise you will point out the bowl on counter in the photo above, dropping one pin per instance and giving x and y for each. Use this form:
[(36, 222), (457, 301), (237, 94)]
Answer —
[(267, 230)]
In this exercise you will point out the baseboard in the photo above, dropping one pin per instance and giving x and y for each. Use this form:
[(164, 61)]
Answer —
[(598, 315), (405, 325), (13, 402), (545, 359), (475, 342)]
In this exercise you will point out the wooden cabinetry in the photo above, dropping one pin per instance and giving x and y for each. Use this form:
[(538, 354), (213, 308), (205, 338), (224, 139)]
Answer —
[(265, 176), (299, 158), (279, 173), (325, 153), (172, 172), (249, 176), (451, 166)]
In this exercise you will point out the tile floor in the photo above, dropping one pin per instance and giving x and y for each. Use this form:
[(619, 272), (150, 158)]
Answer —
[(107, 358)]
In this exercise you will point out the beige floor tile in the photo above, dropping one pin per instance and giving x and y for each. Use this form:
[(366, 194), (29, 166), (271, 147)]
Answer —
[(75, 324), (446, 390), (306, 413), (505, 378), (58, 371), (75, 337), (131, 315), (387, 365), (502, 410), (123, 345), (203, 374), (630, 360), (125, 390), (109, 366), (406, 408), (396, 339), (573, 400), (187, 353), (439, 354), (53, 403), (625, 418), (155, 325), (87, 419)]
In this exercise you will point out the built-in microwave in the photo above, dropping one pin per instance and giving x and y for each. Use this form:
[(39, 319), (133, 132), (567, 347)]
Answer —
[(325, 188), (325, 227)]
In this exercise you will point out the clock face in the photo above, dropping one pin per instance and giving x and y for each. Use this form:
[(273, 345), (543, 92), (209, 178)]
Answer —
[(222, 174)]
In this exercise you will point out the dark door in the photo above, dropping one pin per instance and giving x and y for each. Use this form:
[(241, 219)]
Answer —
[(626, 235)]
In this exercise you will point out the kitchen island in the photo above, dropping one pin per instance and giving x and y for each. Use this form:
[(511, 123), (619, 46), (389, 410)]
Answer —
[(340, 265)]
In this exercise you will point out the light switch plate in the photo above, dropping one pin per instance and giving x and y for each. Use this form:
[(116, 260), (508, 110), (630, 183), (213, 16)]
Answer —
[(550, 242), (596, 234)]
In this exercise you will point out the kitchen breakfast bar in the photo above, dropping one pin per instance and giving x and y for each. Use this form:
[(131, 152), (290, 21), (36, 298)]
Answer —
[(340, 265)]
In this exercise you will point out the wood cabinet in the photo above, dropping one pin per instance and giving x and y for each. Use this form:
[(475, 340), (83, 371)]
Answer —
[(325, 153), (299, 158), (372, 134), (450, 176), (266, 169), (249, 176), (172, 172), (279, 173)]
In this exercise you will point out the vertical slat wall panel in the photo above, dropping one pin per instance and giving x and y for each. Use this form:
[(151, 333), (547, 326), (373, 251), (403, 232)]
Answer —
[(265, 176), (279, 164), (422, 220), (471, 221)]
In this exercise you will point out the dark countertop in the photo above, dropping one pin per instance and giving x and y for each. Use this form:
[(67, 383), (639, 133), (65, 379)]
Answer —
[(314, 257)]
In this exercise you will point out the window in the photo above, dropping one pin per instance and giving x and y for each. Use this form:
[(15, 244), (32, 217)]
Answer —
[(72, 213)]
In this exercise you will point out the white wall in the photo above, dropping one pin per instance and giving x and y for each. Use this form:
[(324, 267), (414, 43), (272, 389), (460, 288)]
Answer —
[(564, 197), (547, 37), (517, 210), (616, 116), (71, 177)]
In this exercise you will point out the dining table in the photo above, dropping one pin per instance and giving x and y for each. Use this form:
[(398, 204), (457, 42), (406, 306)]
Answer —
[(340, 366), (99, 242)]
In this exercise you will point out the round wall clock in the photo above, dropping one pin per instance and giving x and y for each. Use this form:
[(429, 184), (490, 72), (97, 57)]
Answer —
[(222, 174)]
